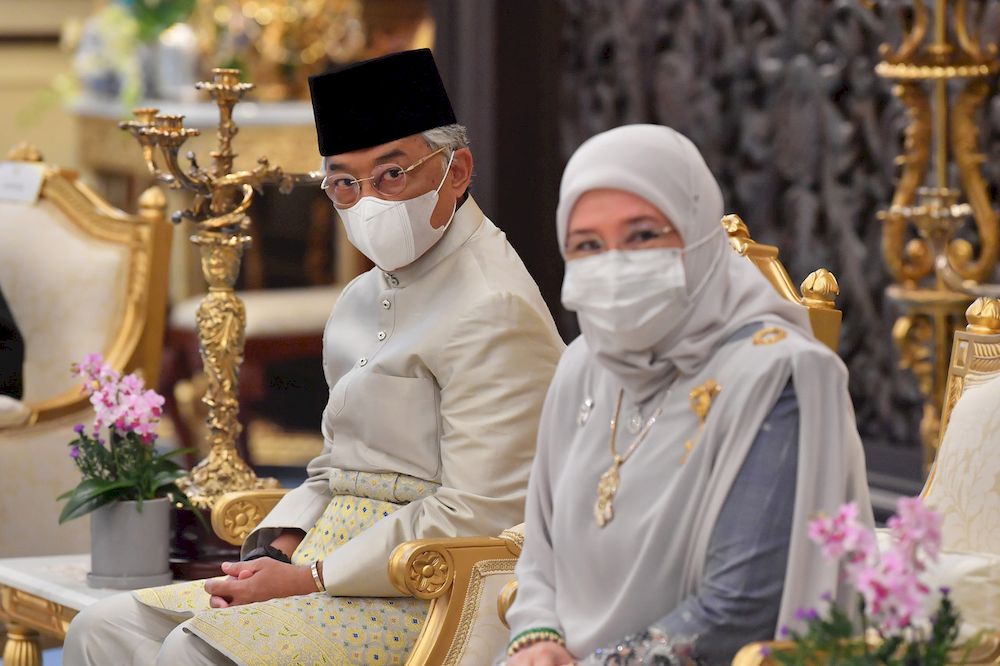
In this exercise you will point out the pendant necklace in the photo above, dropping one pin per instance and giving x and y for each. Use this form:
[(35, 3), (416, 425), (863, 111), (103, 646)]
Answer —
[(607, 487)]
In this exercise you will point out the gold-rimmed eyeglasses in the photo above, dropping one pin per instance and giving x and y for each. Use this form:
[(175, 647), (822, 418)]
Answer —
[(344, 189)]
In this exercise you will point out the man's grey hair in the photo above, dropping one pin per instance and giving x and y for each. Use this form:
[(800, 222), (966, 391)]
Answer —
[(452, 137)]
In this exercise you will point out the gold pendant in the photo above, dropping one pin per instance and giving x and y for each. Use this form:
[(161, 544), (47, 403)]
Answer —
[(607, 488)]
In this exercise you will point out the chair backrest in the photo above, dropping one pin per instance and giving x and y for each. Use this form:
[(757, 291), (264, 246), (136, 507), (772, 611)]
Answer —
[(81, 276), (819, 289), (964, 483)]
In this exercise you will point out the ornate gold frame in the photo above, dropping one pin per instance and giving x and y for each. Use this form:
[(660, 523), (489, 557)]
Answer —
[(451, 573), (236, 514), (975, 358), (819, 290), (139, 342), (942, 74)]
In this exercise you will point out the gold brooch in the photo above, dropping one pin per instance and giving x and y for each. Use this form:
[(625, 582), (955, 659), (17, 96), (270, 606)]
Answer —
[(701, 398), (769, 335)]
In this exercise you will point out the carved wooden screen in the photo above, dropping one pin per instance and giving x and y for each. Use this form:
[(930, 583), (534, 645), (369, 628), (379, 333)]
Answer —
[(782, 99)]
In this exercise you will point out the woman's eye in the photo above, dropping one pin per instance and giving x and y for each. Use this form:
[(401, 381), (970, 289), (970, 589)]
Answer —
[(587, 246), (642, 236)]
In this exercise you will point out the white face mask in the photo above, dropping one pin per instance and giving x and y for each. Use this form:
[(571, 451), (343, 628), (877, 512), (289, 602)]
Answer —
[(394, 234), (626, 300)]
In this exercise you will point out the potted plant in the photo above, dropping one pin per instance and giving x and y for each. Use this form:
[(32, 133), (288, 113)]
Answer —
[(890, 627), (127, 486)]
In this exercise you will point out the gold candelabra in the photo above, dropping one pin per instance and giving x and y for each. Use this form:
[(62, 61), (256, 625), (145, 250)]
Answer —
[(222, 198), (942, 77)]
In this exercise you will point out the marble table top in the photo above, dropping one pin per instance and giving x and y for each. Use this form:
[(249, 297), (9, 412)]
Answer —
[(58, 578)]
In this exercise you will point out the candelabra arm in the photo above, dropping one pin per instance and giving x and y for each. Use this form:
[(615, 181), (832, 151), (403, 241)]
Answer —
[(953, 280), (266, 174), (177, 178), (234, 219)]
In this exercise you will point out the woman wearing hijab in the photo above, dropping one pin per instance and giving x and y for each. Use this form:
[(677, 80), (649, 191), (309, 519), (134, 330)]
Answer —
[(690, 432)]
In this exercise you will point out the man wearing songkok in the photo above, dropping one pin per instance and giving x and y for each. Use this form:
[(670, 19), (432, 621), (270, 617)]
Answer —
[(438, 360)]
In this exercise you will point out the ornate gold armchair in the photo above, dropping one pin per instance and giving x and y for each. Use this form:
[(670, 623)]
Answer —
[(962, 485), (80, 277), (470, 581)]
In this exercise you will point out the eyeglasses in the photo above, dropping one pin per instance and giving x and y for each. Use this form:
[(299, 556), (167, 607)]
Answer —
[(640, 238), (344, 189)]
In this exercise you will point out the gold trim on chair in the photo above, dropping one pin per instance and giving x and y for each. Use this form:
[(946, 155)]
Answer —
[(443, 570), (975, 358), (235, 515), (819, 290), (139, 340)]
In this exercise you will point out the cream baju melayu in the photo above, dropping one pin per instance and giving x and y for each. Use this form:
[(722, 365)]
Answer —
[(655, 561), (437, 373)]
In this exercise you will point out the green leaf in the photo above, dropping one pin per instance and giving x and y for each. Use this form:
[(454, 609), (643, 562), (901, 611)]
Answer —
[(176, 452), (89, 495)]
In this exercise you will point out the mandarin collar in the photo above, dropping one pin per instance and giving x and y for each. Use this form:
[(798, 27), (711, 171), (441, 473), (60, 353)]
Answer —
[(468, 218)]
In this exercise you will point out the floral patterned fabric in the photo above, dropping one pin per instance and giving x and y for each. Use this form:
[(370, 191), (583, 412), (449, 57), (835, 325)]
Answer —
[(965, 487), (315, 628)]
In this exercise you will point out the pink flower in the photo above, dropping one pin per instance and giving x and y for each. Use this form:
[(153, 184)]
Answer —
[(122, 403), (843, 535), (916, 527), (94, 372), (889, 584)]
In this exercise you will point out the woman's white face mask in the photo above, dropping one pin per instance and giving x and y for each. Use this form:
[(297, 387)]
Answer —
[(394, 234), (627, 300)]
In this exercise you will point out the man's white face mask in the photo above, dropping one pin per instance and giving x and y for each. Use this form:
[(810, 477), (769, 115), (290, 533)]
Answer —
[(394, 234), (626, 300)]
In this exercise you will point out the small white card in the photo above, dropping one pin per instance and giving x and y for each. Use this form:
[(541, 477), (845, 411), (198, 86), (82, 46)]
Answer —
[(21, 182)]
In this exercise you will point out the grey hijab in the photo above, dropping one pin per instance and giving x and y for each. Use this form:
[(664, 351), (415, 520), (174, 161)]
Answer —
[(725, 291)]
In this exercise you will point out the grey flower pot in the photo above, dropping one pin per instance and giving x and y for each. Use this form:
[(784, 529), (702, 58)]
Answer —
[(130, 549)]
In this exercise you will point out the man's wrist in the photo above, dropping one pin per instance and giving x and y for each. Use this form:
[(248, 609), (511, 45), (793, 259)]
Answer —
[(316, 572)]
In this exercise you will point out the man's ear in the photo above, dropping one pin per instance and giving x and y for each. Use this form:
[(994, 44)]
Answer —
[(460, 175)]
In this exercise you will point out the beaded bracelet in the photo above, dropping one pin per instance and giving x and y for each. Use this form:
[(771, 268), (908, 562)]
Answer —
[(532, 636)]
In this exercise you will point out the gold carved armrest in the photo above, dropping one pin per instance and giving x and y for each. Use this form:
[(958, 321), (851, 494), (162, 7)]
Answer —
[(819, 290), (452, 574), (237, 514)]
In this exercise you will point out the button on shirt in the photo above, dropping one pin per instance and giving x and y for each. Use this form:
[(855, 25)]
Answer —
[(439, 371)]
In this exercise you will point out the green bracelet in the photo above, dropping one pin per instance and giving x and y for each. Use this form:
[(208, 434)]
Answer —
[(532, 636)]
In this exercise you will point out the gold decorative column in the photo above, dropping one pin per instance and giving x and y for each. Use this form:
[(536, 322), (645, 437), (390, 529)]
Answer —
[(222, 198), (942, 78)]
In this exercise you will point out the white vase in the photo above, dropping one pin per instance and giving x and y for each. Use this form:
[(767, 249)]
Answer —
[(129, 548), (177, 63)]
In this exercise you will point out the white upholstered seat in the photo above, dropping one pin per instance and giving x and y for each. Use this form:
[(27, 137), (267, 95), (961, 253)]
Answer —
[(80, 277)]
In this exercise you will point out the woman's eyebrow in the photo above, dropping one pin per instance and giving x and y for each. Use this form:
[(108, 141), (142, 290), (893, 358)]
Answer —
[(646, 218)]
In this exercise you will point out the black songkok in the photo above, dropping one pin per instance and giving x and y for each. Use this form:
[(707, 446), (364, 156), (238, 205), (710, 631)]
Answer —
[(376, 101)]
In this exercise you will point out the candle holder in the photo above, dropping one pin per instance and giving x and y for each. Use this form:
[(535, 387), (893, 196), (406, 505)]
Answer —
[(942, 75), (222, 197)]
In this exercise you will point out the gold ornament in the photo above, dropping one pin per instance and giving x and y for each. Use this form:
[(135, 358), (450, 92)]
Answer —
[(610, 481)]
